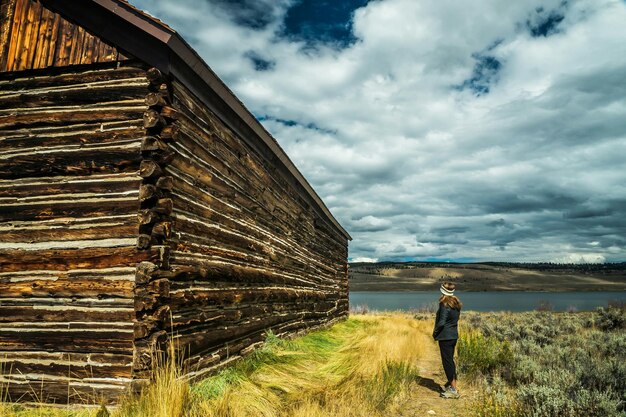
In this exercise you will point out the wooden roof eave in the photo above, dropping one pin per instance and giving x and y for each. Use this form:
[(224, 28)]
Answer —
[(151, 41)]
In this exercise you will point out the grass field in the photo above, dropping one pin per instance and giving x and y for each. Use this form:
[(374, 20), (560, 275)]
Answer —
[(535, 364), (367, 361)]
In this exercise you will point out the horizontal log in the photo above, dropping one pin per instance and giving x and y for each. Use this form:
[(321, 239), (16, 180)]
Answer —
[(245, 295), (146, 350), (149, 169), (147, 191), (144, 241), (91, 76), (68, 259), (145, 272), (109, 341), (68, 136), (52, 313), (70, 115), (59, 287), (79, 208), (162, 229), (95, 184), (153, 143), (80, 94), (164, 206), (156, 100), (69, 368), (200, 318), (155, 76), (147, 216), (165, 183), (80, 161), (37, 232), (169, 132), (170, 113), (153, 120)]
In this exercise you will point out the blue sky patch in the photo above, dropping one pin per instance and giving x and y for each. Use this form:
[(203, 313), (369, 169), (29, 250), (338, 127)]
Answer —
[(322, 21), (545, 25), (259, 63), (291, 123), (250, 13), (484, 74)]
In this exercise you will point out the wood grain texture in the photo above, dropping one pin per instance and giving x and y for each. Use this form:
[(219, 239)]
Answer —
[(33, 37), (69, 198)]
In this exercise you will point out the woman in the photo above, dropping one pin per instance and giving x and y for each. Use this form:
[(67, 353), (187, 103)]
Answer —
[(446, 334)]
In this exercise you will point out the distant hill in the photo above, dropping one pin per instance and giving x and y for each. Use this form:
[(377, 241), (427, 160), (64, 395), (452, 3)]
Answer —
[(488, 276)]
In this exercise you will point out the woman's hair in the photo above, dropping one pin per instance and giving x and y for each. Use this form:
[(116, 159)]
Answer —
[(450, 301)]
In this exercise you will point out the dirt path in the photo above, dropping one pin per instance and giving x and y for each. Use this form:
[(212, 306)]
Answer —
[(424, 397)]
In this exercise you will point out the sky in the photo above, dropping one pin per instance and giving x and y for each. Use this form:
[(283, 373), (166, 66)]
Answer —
[(490, 130)]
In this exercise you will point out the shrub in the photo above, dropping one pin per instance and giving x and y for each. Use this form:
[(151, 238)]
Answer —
[(611, 318), (480, 354), (563, 364)]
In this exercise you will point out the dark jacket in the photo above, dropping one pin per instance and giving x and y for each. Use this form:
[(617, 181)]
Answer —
[(446, 323)]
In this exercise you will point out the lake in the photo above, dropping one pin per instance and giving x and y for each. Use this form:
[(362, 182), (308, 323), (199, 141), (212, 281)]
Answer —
[(490, 300)]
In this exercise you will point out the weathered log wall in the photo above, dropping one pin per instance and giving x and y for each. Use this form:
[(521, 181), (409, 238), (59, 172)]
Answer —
[(247, 253), (129, 211), (31, 37), (69, 196)]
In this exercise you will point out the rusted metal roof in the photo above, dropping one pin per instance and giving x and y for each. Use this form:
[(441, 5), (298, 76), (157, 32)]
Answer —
[(152, 41)]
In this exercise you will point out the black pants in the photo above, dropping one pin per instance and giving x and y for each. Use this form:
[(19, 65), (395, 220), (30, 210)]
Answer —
[(446, 347)]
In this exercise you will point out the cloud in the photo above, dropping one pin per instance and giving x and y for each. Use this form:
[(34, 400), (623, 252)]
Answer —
[(494, 131)]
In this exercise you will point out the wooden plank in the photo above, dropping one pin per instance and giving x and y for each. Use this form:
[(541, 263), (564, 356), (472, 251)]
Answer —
[(7, 11), (19, 17), (67, 31), (43, 41), (89, 49), (52, 43), (27, 35), (77, 45), (34, 35)]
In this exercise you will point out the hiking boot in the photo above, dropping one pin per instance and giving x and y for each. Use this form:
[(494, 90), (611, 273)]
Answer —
[(444, 388), (451, 393)]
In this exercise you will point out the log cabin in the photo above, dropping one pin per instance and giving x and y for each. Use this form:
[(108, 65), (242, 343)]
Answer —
[(141, 204)]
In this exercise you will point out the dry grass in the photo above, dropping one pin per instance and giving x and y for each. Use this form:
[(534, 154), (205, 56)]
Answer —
[(367, 360), (167, 396), (361, 366)]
